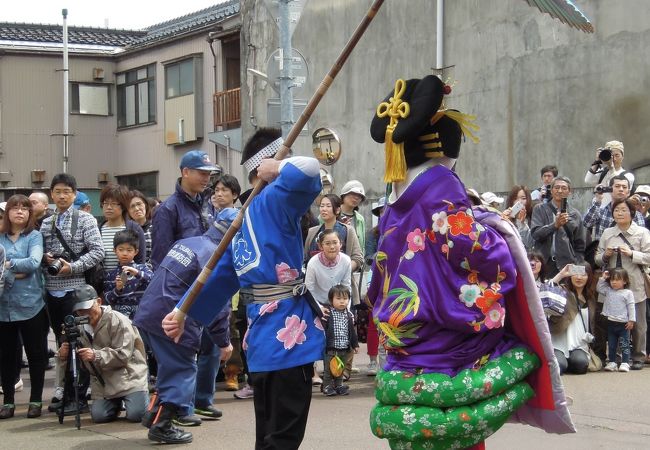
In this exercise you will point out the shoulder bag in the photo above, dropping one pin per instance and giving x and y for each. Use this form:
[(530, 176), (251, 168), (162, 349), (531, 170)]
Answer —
[(95, 275), (553, 298)]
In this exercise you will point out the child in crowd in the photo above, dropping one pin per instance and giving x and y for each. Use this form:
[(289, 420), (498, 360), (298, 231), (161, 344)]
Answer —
[(340, 338), (124, 285), (619, 309), (327, 268)]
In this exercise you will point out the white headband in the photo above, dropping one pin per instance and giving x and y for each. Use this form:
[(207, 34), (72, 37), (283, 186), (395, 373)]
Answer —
[(254, 161)]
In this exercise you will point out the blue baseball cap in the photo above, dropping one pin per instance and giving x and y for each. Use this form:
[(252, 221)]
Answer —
[(81, 200), (199, 160)]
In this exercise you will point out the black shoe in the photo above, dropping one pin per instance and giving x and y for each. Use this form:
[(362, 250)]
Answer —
[(329, 391), (35, 410), (164, 431), (169, 435), (208, 411), (343, 389), (55, 404), (637, 365), (187, 421), (7, 411), (70, 409)]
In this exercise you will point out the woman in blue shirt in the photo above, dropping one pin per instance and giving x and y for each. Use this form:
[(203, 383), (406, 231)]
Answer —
[(22, 309)]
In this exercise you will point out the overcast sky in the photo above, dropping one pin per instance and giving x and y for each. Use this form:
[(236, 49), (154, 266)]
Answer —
[(127, 14)]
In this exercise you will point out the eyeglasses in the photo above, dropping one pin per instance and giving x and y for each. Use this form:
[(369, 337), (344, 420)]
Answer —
[(560, 188), (111, 205)]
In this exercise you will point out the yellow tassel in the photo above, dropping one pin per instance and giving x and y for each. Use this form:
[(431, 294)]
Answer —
[(395, 161), (466, 122), (395, 109)]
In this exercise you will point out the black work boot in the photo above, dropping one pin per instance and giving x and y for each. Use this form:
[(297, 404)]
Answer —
[(163, 430), (151, 411)]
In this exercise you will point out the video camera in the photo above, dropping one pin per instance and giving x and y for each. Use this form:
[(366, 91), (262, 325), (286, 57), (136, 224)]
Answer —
[(71, 331), (602, 189)]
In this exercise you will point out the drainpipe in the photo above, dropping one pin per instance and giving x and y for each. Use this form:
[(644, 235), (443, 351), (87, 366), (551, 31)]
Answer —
[(66, 97), (210, 40), (440, 15)]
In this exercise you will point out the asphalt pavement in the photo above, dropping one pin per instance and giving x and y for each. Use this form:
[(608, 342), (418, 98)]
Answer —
[(611, 411)]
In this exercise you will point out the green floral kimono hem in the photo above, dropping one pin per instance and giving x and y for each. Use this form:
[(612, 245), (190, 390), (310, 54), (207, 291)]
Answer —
[(467, 387), (461, 410)]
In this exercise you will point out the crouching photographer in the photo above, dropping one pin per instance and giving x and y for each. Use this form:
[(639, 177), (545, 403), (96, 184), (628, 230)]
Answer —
[(112, 351)]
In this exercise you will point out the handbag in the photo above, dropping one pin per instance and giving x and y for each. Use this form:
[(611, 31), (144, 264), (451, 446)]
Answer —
[(595, 363), (553, 298), (93, 276), (644, 269)]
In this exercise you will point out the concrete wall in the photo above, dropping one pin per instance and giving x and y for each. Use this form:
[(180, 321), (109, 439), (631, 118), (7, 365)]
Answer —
[(543, 92)]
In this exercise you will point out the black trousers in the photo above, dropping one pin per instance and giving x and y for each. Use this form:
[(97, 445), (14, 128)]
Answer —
[(282, 399), (33, 332)]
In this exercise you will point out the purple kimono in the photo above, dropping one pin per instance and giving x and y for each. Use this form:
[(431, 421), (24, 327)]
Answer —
[(445, 276), (442, 277)]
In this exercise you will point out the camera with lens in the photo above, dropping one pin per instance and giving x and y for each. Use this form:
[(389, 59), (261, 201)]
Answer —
[(547, 193), (71, 324), (56, 266), (588, 337), (602, 189), (604, 154)]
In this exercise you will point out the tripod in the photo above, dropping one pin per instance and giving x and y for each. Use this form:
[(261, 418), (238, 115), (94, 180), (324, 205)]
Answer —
[(70, 336)]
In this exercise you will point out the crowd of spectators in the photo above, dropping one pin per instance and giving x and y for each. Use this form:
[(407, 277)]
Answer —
[(611, 234), (149, 254)]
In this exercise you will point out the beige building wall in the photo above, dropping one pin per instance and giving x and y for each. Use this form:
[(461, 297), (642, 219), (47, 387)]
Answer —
[(143, 149), (31, 124)]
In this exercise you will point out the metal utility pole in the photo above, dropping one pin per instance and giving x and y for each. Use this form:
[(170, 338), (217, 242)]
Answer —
[(66, 97), (286, 71)]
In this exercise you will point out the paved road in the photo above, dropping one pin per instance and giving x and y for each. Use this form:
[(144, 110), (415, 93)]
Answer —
[(611, 411)]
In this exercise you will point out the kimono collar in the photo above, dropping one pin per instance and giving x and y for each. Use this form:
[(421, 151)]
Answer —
[(326, 262)]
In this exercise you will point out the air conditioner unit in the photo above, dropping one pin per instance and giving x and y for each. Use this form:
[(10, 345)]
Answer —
[(103, 177), (5, 177), (98, 73), (38, 176)]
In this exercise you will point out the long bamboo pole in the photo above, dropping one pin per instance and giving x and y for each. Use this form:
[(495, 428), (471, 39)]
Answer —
[(282, 153)]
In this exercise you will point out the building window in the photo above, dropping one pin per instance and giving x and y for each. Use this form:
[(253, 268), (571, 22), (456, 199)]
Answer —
[(136, 97), (91, 99), (179, 78), (147, 183)]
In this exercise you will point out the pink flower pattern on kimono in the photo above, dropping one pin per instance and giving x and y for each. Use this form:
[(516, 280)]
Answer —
[(495, 316), (416, 240), (318, 324), (268, 308), (293, 332)]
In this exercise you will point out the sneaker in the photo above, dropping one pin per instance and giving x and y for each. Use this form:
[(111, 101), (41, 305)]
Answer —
[(190, 420), (57, 398), (625, 367), (329, 391), (244, 393), (611, 367), (343, 389), (19, 385), (372, 369), (636, 365), (316, 380), (355, 369), (208, 411)]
